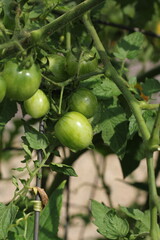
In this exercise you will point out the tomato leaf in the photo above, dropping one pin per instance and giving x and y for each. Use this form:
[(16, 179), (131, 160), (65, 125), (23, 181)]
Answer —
[(63, 168), (151, 86), (108, 222), (8, 109), (7, 216), (102, 87), (113, 125), (129, 46), (36, 140)]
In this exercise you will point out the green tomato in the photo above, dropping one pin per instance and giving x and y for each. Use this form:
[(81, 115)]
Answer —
[(21, 83), (88, 63), (74, 131), (2, 88), (38, 105), (57, 66), (71, 64), (83, 101)]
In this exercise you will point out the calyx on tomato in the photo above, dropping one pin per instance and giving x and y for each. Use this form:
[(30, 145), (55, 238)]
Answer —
[(2, 88), (83, 101), (21, 83), (74, 131), (38, 105)]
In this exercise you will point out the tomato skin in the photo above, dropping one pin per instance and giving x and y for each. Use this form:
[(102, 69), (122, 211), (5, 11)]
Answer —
[(83, 101), (2, 88), (74, 131), (21, 83), (88, 63), (38, 105), (57, 65)]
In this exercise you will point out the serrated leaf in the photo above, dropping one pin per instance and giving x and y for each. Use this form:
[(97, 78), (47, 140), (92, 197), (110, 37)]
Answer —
[(35, 139), (136, 214), (102, 87), (151, 86), (114, 127), (109, 224), (116, 227), (7, 216), (8, 109), (63, 168), (129, 46), (99, 212)]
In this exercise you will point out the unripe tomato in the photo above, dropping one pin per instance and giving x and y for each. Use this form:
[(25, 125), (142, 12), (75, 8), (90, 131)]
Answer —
[(38, 105), (83, 101), (74, 131), (2, 88), (88, 63), (57, 65), (21, 83)]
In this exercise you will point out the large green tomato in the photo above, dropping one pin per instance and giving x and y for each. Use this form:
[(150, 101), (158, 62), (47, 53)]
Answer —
[(2, 88), (21, 83), (38, 105), (88, 63), (57, 66), (71, 64), (74, 131), (83, 101)]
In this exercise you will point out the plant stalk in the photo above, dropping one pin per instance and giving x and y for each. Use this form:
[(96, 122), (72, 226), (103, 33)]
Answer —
[(136, 110)]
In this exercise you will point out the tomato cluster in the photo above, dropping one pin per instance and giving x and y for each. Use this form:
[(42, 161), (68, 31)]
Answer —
[(74, 129), (22, 83), (61, 67)]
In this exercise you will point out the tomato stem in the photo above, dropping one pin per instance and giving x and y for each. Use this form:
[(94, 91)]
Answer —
[(60, 100), (136, 110)]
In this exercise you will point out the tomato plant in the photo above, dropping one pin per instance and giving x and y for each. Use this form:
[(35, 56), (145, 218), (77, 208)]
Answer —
[(57, 66), (23, 82), (38, 105), (2, 88), (74, 131), (54, 55), (83, 101), (88, 63)]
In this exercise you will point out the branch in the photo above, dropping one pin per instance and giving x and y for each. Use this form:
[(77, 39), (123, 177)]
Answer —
[(130, 29), (63, 20)]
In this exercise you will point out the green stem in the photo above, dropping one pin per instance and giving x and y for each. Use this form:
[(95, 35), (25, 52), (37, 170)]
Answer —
[(154, 229), (68, 39), (154, 140), (61, 21), (118, 80), (60, 100), (136, 110)]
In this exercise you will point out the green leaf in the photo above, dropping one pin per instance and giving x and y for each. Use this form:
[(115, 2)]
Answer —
[(63, 168), (102, 87), (7, 216), (129, 46), (35, 139), (151, 86), (116, 226), (8, 109), (142, 219), (99, 212), (114, 127), (108, 222)]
